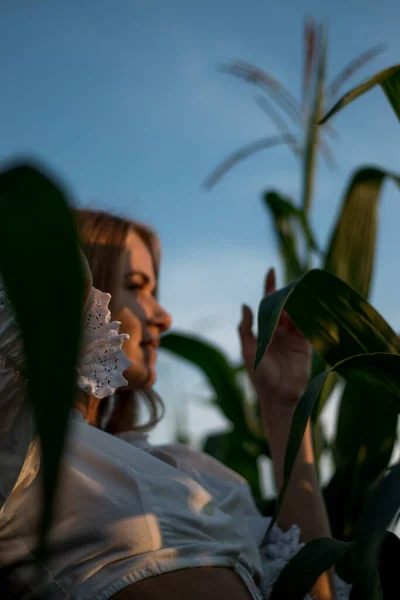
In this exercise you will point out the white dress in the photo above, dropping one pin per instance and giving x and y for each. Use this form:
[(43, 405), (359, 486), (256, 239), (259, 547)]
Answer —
[(126, 510)]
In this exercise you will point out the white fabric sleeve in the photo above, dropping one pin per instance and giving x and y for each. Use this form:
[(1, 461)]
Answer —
[(277, 550), (99, 373)]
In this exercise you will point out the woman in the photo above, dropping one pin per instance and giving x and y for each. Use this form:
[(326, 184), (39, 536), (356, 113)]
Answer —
[(125, 259), (132, 520)]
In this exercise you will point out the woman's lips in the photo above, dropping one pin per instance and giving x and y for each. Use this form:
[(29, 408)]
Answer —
[(152, 343)]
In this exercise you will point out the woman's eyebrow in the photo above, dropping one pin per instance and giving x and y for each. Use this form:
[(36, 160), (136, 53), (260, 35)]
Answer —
[(132, 273)]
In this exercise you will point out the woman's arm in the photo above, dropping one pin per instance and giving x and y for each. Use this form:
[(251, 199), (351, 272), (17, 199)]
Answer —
[(280, 381), (303, 504)]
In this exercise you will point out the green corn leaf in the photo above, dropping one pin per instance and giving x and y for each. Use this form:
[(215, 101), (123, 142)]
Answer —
[(352, 248), (391, 88), (337, 322), (378, 371), (230, 448), (299, 575), (41, 270), (284, 214), (308, 233), (377, 79), (340, 324), (289, 220), (217, 369)]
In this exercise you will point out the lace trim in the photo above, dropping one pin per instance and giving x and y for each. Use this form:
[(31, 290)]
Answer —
[(103, 361)]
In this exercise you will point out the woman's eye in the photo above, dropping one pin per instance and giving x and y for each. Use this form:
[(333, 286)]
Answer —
[(135, 286)]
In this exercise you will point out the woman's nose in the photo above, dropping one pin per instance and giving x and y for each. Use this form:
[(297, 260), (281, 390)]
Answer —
[(161, 319)]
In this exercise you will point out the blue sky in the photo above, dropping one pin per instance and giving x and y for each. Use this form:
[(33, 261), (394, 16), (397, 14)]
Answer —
[(123, 99)]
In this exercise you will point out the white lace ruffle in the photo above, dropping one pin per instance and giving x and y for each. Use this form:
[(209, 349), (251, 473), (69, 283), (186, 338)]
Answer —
[(277, 550), (102, 361)]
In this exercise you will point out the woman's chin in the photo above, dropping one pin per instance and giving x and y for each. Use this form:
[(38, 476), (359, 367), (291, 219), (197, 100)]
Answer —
[(140, 378)]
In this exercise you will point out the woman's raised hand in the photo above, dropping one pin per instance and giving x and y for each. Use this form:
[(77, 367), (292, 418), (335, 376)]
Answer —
[(284, 370)]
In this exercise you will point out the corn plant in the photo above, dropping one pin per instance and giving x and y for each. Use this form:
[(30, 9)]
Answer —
[(356, 342), (345, 330), (362, 456)]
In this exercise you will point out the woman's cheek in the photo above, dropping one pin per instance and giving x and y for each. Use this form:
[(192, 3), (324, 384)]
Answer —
[(130, 324)]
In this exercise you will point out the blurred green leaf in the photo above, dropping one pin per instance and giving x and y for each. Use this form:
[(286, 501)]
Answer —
[(378, 78), (391, 88), (312, 131), (220, 374), (228, 447), (288, 221), (351, 251), (337, 322), (299, 575), (41, 270), (283, 214)]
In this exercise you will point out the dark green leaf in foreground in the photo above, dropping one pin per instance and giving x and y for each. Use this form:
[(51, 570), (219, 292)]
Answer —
[(299, 575), (377, 79), (41, 270)]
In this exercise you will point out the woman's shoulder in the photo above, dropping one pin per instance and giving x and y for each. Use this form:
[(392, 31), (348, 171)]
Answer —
[(202, 462)]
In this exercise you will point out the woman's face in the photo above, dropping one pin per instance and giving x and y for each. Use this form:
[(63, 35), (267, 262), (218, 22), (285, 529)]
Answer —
[(138, 310)]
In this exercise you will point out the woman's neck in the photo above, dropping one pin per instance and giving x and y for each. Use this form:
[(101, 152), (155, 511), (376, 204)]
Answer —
[(89, 407)]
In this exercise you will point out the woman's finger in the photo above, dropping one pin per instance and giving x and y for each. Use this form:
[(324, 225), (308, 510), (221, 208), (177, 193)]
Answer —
[(246, 324), (270, 282)]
